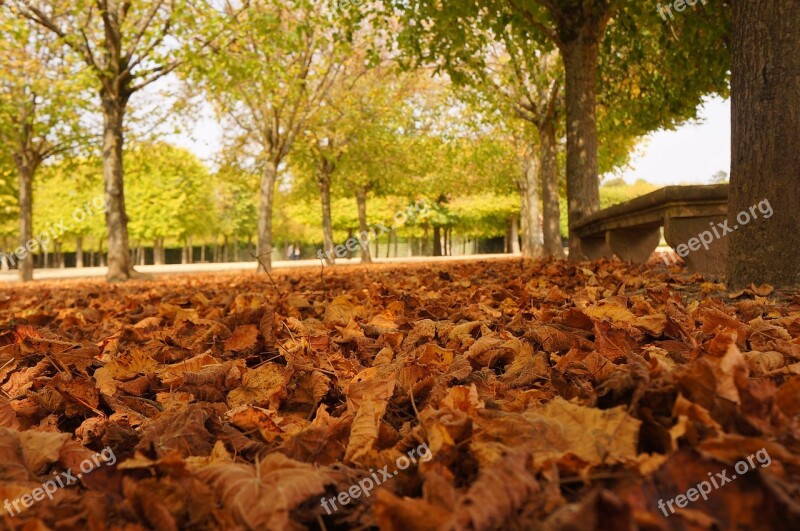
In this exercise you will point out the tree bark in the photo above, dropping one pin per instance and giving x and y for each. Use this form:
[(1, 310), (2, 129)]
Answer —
[(583, 189), (119, 258), (265, 216), (25, 218), (548, 174), (4, 262), (79, 251), (324, 181), (437, 241), (765, 130), (158, 251), (529, 209), (514, 235), (363, 227)]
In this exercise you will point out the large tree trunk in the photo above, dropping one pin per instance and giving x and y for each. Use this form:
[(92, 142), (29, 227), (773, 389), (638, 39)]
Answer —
[(765, 129), (583, 189), (363, 227), (324, 181), (548, 174), (265, 216), (529, 209), (25, 218), (119, 258)]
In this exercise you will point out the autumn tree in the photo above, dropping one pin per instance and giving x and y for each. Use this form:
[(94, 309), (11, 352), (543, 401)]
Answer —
[(124, 45), (334, 127), (42, 97), (268, 82), (592, 36)]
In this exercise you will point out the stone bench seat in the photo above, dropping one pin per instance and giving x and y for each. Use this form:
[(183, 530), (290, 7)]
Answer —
[(632, 230)]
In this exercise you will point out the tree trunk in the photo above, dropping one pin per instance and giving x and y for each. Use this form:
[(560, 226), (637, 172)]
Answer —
[(4, 262), (25, 218), (349, 253), (549, 181), (765, 129), (265, 216), (361, 200), (324, 181), (583, 189), (158, 251), (529, 208), (514, 235), (119, 258), (59, 255), (79, 251), (225, 248), (203, 252), (437, 241)]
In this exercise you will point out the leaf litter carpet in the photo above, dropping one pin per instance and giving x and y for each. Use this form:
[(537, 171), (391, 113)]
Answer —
[(551, 395)]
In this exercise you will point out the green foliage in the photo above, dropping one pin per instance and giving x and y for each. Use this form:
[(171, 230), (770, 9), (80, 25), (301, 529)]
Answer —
[(169, 193), (65, 187)]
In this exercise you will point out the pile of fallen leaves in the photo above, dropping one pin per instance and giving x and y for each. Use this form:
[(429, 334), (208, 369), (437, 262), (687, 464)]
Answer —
[(552, 396)]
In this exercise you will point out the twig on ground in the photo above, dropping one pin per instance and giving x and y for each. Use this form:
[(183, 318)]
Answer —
[(266, 270)]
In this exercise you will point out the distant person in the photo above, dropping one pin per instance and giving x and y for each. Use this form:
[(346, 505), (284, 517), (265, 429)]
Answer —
[(296, 251), (290, 252)]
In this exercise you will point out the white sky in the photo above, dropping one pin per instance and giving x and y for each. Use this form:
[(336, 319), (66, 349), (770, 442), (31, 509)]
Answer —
[(690, 154)]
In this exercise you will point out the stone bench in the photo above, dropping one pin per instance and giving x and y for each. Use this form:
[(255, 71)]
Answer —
[(632, 230)]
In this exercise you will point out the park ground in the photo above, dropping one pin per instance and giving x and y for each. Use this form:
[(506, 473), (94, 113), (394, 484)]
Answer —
[(536, 395)]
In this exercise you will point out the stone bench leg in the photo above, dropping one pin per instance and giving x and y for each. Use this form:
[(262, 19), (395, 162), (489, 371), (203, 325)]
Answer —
[(679, 232), (634, 245), (595, 248)]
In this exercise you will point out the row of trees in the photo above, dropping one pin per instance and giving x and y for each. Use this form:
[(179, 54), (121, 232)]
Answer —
[(313, 96)]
